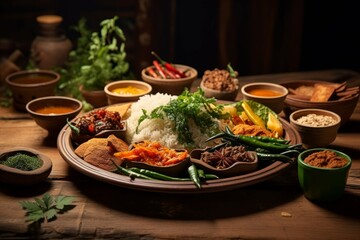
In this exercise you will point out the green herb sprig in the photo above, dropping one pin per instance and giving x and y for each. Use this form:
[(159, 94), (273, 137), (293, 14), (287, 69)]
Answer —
[(189, 107), (46, 209)]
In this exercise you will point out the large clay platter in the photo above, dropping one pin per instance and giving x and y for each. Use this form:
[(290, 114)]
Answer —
[(66, 150)]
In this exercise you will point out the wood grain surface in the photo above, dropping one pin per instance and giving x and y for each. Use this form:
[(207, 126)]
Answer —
[(274, 209)]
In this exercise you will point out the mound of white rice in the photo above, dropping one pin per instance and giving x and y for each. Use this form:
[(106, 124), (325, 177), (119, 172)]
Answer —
[(161, 130)]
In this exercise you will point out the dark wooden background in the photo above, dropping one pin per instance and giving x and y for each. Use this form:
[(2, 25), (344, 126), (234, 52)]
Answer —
[(256, 36)]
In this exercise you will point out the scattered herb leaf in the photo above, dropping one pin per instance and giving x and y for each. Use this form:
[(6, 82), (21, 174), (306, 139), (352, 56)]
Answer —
[(46, 208)]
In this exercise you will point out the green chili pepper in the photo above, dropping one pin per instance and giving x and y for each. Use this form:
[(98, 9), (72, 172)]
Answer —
[(272, 157), (156, 175), (194, 175), (231, 71), (73, 128), (130, 173), (201, 174), (270, 139), (209, 176)]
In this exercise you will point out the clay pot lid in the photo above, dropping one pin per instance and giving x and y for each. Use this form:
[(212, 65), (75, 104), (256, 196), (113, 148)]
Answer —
[(49, 19)]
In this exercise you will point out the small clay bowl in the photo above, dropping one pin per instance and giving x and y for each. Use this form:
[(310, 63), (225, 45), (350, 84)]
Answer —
[(27, 85), (315, 136), (171, 86), (275, 102), (220, 95), (81, 138), (53, 121), (16, 176), (237, 168), (114, 97)]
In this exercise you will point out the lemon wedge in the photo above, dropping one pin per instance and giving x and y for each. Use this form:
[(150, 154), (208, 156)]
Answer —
[(274, 125)]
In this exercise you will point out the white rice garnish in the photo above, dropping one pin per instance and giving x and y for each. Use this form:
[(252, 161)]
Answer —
[(161, 130)]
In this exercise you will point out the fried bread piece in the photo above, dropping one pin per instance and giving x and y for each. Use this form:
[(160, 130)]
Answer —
[(117, 144), (322, 92), (101, 156), (120, 108), (100, 151), (80, 150)]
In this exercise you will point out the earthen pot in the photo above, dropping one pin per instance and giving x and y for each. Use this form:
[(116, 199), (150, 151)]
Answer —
[(31, 84)]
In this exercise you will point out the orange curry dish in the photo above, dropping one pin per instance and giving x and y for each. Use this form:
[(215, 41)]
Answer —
[(153, 153)]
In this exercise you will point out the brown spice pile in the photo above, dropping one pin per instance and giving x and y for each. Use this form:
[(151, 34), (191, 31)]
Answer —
[(325, 159), (220, 80)]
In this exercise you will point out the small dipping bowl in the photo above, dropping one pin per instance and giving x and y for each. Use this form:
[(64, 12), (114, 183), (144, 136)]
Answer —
[(315, 136), (31, 84), (234, 170), (171, 86), (14, 176), (220, 95), (135, 89), (322, 184), (269, 94), (51, 113)]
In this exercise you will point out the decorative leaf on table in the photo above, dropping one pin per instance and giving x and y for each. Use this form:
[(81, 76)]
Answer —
[(46, 208)]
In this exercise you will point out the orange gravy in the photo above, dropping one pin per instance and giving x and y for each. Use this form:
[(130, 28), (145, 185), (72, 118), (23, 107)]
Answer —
[(54, 110), (264, 92)]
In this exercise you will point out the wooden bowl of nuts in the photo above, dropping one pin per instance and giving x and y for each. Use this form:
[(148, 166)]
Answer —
[(220, 84)]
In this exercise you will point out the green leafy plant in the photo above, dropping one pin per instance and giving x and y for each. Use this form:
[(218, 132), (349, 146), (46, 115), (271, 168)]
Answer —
[(106, 59), (77, 58), (45, 208)]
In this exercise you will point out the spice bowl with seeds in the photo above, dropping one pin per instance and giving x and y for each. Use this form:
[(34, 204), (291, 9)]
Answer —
[(225, 161), (220, 84), (317, 127), (323, 173)]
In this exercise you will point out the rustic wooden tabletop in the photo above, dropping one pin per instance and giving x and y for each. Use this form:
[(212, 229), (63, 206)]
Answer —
[(273, 209)]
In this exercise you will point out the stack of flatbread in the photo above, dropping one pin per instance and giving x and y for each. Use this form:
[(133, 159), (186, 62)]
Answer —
[(323, 92)]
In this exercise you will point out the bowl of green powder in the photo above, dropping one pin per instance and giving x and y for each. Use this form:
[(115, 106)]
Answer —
[(24, 166)]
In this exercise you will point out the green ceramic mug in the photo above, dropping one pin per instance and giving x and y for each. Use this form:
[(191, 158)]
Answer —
[(322, 184)]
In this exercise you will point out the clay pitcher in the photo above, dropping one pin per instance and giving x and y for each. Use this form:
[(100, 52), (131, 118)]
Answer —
[(50, 48)]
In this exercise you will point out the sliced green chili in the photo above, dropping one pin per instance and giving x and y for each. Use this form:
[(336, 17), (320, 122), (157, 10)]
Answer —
[(73, 128), (272, 157), (156, 175), (194, 175), (130, 173)]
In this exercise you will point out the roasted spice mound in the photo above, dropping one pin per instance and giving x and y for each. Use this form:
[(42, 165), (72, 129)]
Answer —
[(226, 156), (325, 159), (220, 80)]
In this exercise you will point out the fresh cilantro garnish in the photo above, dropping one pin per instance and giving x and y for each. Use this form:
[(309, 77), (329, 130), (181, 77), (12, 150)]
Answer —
[(189, 107), (46, 208)]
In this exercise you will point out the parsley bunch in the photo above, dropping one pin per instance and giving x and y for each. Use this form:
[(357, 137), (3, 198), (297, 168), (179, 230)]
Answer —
[(188, 107)]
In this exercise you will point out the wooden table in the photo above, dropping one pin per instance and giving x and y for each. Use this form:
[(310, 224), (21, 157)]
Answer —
[(254, 212)]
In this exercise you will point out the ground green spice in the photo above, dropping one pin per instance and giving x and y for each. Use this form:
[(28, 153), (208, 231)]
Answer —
[(23, 162)]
